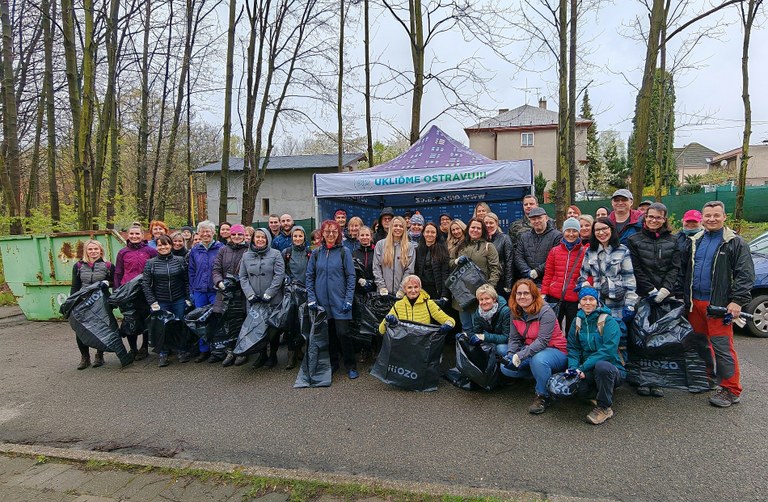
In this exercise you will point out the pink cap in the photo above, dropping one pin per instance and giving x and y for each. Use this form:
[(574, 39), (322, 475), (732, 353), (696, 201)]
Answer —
[(237, 229), (692, 215)]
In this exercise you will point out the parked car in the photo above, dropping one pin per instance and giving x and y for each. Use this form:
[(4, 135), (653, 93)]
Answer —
[(590, 195), (758, 307)]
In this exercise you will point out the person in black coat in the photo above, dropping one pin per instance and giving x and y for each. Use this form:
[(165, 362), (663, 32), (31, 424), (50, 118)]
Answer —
[(534, 245), (432, 264), (506, 249)]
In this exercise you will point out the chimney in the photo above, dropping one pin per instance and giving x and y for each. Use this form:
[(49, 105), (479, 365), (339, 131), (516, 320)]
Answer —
[(543, 103), (503, 110)]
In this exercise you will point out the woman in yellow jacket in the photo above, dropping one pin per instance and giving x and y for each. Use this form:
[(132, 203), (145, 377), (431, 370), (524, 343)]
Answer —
[(416, 306)]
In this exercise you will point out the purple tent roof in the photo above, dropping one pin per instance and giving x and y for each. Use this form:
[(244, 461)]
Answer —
[(434, 149)]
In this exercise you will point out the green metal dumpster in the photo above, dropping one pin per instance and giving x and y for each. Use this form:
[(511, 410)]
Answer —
[(38, 268)]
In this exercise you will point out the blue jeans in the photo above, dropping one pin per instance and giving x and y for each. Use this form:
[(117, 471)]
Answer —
[(177, 308), (539, 367), (201, 299), (465, 316), (501, 349)]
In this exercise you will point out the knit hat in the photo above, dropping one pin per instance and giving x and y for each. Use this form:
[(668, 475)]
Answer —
[(417, 219), (588, 291), (237, 229), (387, 211), (571, 224)]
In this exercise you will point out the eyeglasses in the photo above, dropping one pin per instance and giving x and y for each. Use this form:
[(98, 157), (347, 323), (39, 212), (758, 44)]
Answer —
[(602, 230), (242, 235), (655, 218), (330, 231), (522, 293)]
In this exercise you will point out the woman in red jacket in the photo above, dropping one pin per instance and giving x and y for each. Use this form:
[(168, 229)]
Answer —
[(562, 271)]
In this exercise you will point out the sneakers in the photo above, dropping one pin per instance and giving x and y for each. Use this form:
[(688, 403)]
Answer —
[(162, 361), (352, 374), (99, 359), (540, 405), (650, 390), (229, 360), (599, 415), (184, 357), (723, 398)]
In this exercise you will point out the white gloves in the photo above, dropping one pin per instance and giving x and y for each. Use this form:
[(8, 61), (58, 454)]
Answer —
[(533, 274), (661, 295), (155, 307), (383, 291), (105, 283), (400, 293), (362, 282), (266, 297), (516, 360), (220, 286)]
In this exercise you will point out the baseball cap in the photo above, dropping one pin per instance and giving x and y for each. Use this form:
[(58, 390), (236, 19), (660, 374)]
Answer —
[(622, 192), (692, 215), (537, 211)]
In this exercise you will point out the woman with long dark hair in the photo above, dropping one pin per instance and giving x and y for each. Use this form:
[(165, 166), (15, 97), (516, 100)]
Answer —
[(432, 264)]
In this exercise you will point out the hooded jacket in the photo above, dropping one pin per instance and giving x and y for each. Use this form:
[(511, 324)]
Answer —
[(587, 346), (331, 280), (562, 263), (532, 251), (227, 262), (506, 250), (655, 260), (426, 266), (130, 261), (733, 271), (262, 271), (165, 279), (496, 330), (529, 336), (423, 311), (201, 261), (390, 277), (633, 225), (296, 258)]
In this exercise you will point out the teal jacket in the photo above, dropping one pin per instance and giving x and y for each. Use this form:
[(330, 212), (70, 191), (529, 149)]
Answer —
[(587, 346)]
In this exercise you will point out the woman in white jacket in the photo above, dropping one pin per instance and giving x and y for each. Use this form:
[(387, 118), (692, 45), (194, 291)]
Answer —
[(393, 259)]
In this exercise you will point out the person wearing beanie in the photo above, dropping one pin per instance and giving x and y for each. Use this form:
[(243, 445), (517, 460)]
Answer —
[(227, 263), (385, 218), (417, 226), (594, 354), (561, 272)]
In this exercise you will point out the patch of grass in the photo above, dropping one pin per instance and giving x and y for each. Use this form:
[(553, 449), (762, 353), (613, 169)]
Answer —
[(6, 297)]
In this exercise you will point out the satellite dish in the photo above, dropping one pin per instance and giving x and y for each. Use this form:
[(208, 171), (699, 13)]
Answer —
[(723, 163)]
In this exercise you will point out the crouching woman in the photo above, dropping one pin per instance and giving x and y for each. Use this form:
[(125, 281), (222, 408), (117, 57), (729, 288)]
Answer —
[(490, 322), (537, 346), (416, 306), (594, 354)]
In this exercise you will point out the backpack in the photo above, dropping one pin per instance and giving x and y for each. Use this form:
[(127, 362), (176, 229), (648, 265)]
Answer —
[(600, 325)]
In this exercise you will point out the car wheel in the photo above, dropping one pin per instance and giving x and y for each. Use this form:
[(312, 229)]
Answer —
[(758, 325)]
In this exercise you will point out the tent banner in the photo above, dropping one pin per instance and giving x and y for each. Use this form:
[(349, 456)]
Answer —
[(494, 175)]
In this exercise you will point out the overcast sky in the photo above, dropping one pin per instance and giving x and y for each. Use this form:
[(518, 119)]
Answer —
[(709, 108)]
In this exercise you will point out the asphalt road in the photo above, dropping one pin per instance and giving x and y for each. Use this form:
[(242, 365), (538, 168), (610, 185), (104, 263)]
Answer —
[(676, 448)]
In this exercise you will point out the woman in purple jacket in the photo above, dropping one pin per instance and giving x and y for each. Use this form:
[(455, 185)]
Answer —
[(201, 258), (130, 263)]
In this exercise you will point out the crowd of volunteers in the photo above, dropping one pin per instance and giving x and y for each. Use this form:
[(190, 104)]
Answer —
[(554, 300)]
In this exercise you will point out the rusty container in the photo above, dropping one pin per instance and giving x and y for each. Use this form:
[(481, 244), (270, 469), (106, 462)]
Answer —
[(38, 268)]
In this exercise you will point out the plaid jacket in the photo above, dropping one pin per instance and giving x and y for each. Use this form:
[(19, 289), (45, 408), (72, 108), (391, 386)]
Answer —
[(611, 269)]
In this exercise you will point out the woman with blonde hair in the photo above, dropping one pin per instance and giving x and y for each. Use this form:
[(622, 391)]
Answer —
[(481, 210), (455, 239), (351, 239), (90, 269), (393, 258)]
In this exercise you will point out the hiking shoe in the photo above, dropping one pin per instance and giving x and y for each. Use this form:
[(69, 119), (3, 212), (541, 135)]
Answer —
[(599, 415), (162, 361), (215, 358), (352, 374), (644, 390), (540, 405), (657, 392), (229, 360), (184, 357), (85, 361), (240, 360), (202, 357), (723, 398)]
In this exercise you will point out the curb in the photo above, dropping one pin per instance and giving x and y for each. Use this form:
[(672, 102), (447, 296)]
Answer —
[(432, 489)]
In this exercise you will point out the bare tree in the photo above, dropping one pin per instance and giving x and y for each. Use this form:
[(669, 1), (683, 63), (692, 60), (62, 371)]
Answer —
[(48, 10), (224, 186), (10, 173)]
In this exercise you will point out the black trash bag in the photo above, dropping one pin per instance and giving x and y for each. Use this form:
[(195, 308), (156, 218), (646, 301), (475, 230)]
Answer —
[(456, 379), (659, 328), (684, 371), (410, 356), (373, 309), (293, 334), (92, 320), (315, 369), (463, 282), (284, 314), (361, 340), (129, 298), (561, 385), (477, 363), (253, 335), (201, 320), (224, 331), (165, 331)]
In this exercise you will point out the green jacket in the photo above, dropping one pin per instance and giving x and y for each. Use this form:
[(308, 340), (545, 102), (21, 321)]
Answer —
[(586, 345)]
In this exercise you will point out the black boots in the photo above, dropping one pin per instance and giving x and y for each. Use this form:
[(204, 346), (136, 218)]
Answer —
[(202, 357), (294, 357), (99, 359), (85, 361)]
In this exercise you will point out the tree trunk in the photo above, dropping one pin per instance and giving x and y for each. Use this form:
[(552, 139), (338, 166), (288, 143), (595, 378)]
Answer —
[(643, 110), (562, 179), (367, 45), (417, 57), (142, 166), (33, 192), (161, 126), (11, 172), (340, 88), (572, 167), (661, 118), (114, 167), (49, 14), (224, 186), (86, 217)]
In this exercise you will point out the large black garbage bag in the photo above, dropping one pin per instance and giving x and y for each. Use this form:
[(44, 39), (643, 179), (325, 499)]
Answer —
[(129, 298), (201, 321), (463, 282), (283, 315), (410, 356), (225, 328), (373, 308), (253, 334), (92, 320), (477, 363), (165, 331), (315, 369), (685, 371), (293, 334), (659, 328), (362, 340)]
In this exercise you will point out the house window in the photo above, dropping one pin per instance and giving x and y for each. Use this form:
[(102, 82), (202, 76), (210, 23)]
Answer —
[(265, 207), (526, 139), (232, 206)]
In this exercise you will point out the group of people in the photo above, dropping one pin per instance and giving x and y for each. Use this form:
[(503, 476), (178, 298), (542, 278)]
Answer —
[(554, 300)]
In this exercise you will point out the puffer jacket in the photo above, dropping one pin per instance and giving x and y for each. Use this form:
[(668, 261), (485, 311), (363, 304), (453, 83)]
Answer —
[(587, 346), (390, 277), (611, 270), (497, 329), (506, 250), (733, 273), (532, 251), (562, 263), (262, 271), (331, 280), (227, 262), (633, 226), (200, 261), (130, 261), (655, 260), (431, 271), (423, 311), (534, 333), (84, 274), (165, 279)]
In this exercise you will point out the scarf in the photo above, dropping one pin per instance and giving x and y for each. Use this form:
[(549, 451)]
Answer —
[(487, 316)]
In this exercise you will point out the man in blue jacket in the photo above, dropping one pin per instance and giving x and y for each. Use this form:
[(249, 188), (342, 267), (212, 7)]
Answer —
[(627, 221)]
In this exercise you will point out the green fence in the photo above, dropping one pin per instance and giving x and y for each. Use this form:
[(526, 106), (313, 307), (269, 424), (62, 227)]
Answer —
[(755, 203), (307, 223)]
